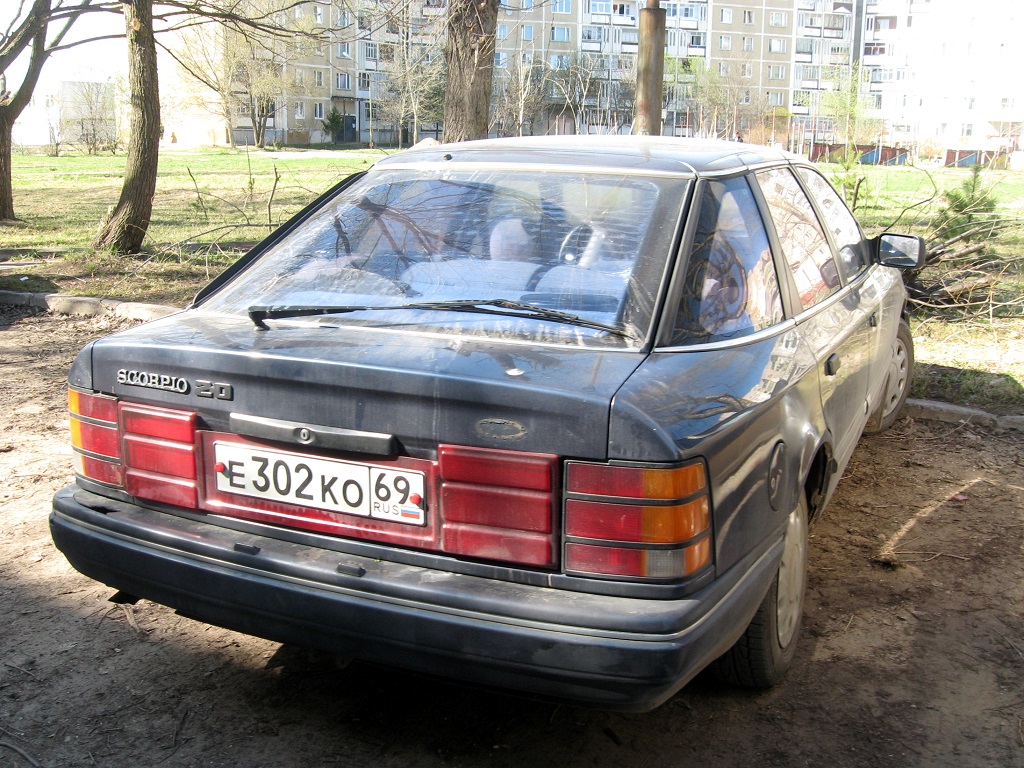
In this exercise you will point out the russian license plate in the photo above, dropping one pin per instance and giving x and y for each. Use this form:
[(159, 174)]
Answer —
[(327, 484)]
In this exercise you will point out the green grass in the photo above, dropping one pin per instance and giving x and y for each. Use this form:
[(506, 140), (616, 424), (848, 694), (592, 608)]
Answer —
[(905, 198), (211, 203), (202, 197)]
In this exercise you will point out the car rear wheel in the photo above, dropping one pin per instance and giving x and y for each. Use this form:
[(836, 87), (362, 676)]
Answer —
[(897, 384), (761, 657)]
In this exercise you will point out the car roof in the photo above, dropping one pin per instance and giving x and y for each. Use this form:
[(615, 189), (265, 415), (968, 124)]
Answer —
[(640, 153)]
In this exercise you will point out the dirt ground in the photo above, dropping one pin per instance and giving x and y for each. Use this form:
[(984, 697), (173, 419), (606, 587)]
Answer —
[(912, 653)]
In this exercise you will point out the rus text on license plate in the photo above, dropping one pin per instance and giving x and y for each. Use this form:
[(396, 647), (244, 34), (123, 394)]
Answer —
[(338, 486)]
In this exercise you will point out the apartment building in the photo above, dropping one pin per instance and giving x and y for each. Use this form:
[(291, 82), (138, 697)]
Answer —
[(930, 70)]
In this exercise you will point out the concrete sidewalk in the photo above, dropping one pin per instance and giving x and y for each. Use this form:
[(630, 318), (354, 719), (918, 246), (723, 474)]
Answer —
[(932, 410)]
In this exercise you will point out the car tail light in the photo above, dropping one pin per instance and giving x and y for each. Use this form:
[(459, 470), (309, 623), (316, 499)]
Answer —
[(637, 521), (498, 504), (94, 437), (160, 454)]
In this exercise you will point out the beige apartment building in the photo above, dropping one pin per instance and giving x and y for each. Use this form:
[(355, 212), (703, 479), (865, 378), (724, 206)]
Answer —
[(758, 69)]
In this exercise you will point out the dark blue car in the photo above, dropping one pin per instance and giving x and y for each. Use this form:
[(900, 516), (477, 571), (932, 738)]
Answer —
[(551, 414)]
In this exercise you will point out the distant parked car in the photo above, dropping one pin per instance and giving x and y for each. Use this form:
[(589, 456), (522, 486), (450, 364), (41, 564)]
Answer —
[(552, 414)]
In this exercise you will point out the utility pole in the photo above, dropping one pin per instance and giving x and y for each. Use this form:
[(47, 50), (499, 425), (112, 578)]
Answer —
[(650, 72)]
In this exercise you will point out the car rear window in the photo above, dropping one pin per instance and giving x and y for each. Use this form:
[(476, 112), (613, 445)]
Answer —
[(590, 245)]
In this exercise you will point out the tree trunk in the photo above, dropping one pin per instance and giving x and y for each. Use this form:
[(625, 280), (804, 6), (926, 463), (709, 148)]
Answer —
[(469, 56), (6, 180), (125, 229), (10, 108)]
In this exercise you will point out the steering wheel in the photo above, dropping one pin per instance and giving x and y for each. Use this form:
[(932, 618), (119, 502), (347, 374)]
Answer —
[(581, 246)]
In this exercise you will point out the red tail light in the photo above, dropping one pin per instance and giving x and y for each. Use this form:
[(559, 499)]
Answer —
[(94, 437), (498, 504), (160, 454), (636, 521)]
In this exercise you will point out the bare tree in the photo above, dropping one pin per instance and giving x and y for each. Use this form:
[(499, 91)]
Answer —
[(409, 93), (35, 30), (519, 96), (575, 84), (848, 105), (210, 63), (89, 114), (125, 228)]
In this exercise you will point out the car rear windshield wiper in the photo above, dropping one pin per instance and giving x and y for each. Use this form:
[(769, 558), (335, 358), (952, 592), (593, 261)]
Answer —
[(505, 307)]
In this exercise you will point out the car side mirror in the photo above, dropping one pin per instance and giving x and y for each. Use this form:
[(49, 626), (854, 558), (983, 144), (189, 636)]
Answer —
[(899, 251)]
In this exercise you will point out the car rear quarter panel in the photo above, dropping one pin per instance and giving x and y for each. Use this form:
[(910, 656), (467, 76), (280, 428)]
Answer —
[(733, 406)]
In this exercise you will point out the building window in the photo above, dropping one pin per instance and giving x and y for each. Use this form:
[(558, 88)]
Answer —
[(776, 71), (748, 17), (501, 60), (600, 6), (525, 4), (624, 9), (501, 32), (386, 52), (527, 33), (560, 61), (594, 34), (805, 46), (725, 42), (885, 22), (697, 39), (364, 81), (318, 110), (748, 44), (560, 34), (300, 77), (723, 68), (342, 19), (344, 50), (318, 78), (369, 51), (343, 81), (968, 130), (561, 6), (746, 70), (776, 45), (726, 16), (318, 14), (367, 112), (777, 19), (745, 97), (775, 98), (300, 111), (364, 22)]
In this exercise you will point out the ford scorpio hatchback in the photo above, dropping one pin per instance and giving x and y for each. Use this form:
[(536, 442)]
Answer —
[(550, 414)]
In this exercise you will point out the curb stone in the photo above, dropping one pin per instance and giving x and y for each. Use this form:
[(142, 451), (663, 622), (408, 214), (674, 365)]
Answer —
[(960, 414), (82, 306), (88, 307)]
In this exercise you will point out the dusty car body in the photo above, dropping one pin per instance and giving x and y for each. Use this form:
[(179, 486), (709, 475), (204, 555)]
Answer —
[(547, 414)]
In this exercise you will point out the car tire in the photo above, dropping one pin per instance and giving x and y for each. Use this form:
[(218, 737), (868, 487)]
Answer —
[(763, 654), (897, 383)]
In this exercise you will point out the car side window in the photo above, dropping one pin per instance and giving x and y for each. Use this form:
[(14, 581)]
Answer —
[(846, 234), (731, 288), (804, 246)]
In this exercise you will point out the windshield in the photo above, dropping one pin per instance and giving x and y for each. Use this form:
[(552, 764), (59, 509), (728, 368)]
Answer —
[(569, 257)]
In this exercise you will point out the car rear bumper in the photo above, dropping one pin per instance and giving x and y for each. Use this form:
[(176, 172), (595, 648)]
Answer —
[(614, 652)]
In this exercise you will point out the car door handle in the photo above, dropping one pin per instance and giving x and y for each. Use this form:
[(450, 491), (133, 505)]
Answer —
[(832, 365)]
